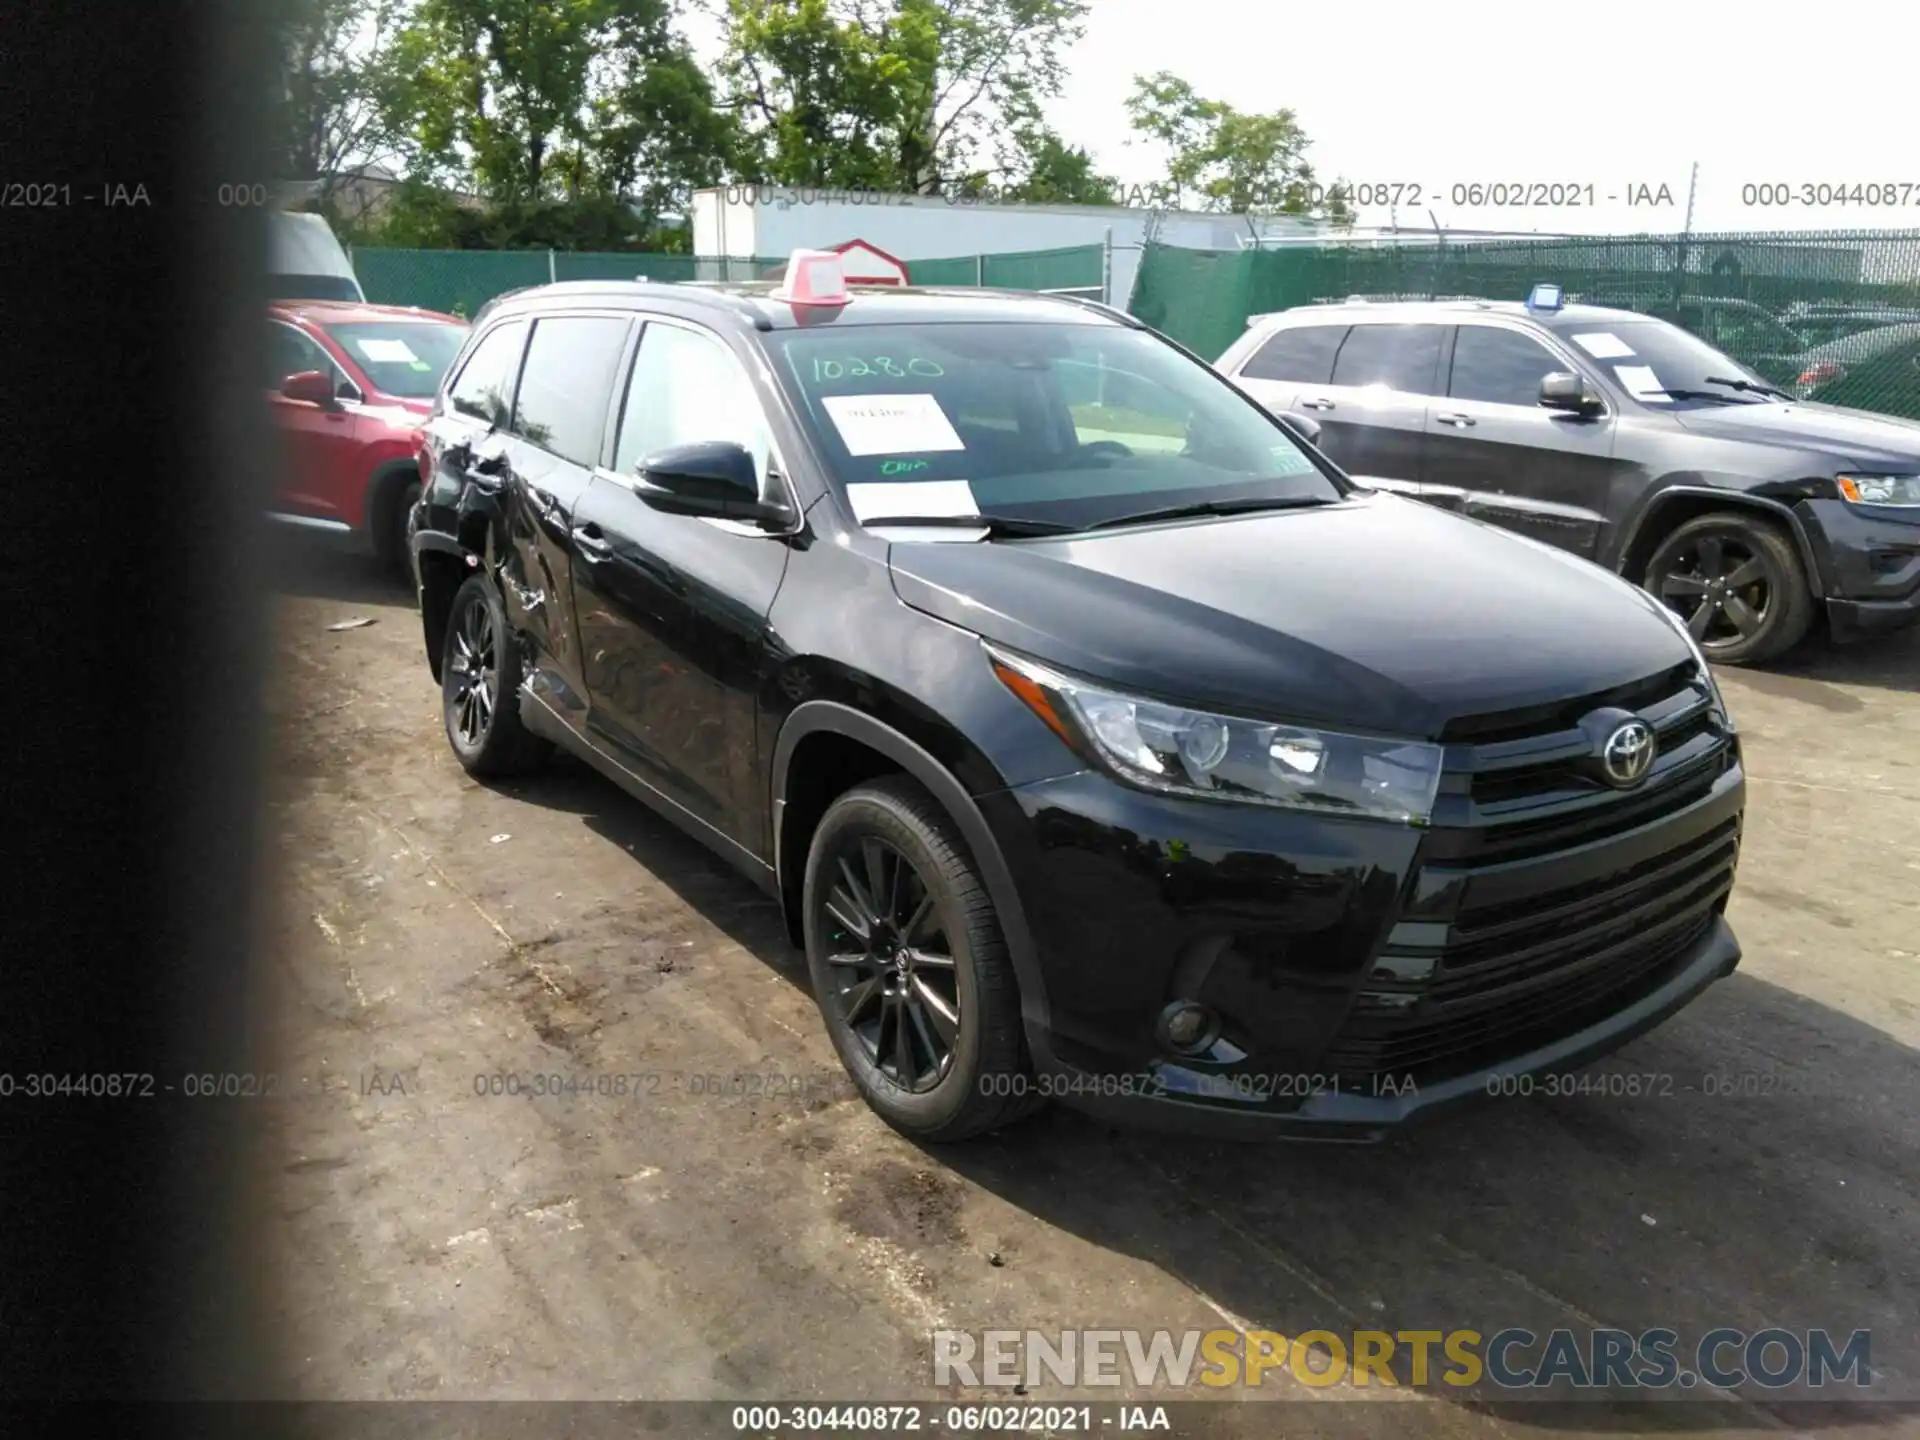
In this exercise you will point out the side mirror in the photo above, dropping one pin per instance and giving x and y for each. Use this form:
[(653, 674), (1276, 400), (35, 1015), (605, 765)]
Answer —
[(1563, 390), (314, 387), (713, 478), (1305, 426)]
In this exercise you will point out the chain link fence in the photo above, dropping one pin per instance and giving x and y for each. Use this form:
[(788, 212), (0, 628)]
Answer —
[(459, 282), (1828, 317)]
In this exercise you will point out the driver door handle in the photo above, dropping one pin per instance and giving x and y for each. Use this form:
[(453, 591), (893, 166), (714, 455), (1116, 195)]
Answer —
[(592, 541), (1320, 404), (1455, 419)]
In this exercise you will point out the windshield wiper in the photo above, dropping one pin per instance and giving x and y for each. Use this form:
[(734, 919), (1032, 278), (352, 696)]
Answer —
[(1212, 507), (1753, 386), (1011, 527), (1713, 395)]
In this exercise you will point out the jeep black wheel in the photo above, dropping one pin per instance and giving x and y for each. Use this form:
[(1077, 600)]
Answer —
[(910, 968), (1737, 583)]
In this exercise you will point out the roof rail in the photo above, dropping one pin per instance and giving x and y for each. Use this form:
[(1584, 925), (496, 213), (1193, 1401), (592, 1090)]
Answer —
[(1099, 307)]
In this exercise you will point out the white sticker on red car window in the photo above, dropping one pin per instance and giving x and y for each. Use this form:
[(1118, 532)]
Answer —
[(925, 499), (891, 424), (1603, 345), (1640, 382), (386, 352)]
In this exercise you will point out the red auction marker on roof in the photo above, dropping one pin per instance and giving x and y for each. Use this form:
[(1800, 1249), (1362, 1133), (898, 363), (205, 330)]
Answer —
[(814, 277)]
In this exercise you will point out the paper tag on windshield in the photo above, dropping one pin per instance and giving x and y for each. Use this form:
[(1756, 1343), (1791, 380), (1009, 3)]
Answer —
[(891, 424), (387, 352), (1603, 346), (932, 499), (1640, 382)]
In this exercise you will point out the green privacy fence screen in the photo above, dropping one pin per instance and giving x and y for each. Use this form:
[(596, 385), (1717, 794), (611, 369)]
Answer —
[(1831, 317), (461, 281), (1077, 268)]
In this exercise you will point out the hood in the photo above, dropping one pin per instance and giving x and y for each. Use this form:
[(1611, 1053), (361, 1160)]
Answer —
[(1864, 344), (1850, 436), (1377, 613), (398, 409)]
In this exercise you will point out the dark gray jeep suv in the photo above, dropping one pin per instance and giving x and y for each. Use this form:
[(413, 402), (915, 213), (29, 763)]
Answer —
[(1623, 439)]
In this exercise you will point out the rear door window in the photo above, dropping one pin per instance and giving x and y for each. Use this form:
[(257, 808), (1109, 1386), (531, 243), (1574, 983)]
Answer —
[(1302, 355), (567, 384)]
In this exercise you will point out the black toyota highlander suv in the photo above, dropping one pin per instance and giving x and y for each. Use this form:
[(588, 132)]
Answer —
[(1620, 438), (1098, 737)]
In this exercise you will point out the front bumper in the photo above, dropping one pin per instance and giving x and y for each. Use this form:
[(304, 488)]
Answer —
[(1370, 1113), (1869, 565), (1339, 957)]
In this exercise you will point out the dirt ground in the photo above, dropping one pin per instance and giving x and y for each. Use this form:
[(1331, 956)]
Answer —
[(434, 1240)]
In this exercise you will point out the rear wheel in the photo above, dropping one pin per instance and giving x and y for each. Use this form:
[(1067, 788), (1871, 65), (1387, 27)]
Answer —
[(1737, 582), (480, 687), (910, 967)]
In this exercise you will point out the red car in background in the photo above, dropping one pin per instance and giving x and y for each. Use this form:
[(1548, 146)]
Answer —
[(349, 385)]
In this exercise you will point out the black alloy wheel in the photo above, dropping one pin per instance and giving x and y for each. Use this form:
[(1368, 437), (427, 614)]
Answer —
[(1737, 584), (474, 660), (480, 687), (896, 981), (911, 968)]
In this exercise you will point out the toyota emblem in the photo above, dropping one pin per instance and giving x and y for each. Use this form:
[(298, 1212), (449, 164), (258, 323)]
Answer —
[(1627, 754)]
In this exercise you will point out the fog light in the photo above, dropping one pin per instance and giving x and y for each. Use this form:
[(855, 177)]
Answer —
[(1187, 1026)]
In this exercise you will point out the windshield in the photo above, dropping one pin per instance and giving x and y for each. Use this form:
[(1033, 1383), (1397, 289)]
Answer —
[(402, 357), (1649, 359), (1070, 423), (314, 287), (1822, 329), (1751, 331)]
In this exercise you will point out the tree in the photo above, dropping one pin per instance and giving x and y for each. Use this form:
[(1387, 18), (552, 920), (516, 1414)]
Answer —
[(1228, 160), (824, 100), (915, 96), (536, 100), (337, 75), (1053, 172)]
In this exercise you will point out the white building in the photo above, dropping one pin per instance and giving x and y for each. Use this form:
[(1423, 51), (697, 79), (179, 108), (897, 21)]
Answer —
[(772, 221)]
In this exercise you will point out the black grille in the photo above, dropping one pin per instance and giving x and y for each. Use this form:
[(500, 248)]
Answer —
[(1450, 1039), (1546, 900)]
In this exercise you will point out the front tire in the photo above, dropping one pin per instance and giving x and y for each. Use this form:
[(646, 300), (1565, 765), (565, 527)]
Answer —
[(480, 687), (393, 526), (910, 967), (1737, 582)]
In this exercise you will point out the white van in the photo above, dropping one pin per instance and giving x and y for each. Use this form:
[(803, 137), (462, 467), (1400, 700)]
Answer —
[(305, 261)]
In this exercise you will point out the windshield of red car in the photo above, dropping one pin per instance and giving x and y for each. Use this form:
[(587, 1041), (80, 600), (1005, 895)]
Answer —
[(405, 358)]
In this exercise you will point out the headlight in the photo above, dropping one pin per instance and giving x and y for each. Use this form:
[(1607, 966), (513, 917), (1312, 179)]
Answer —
[(1880, 489), (1191, 752)]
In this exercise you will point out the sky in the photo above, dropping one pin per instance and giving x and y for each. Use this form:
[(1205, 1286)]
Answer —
[(1499, 94)]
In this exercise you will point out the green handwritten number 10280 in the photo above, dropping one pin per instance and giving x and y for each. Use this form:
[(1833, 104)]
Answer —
[(858, 367)]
